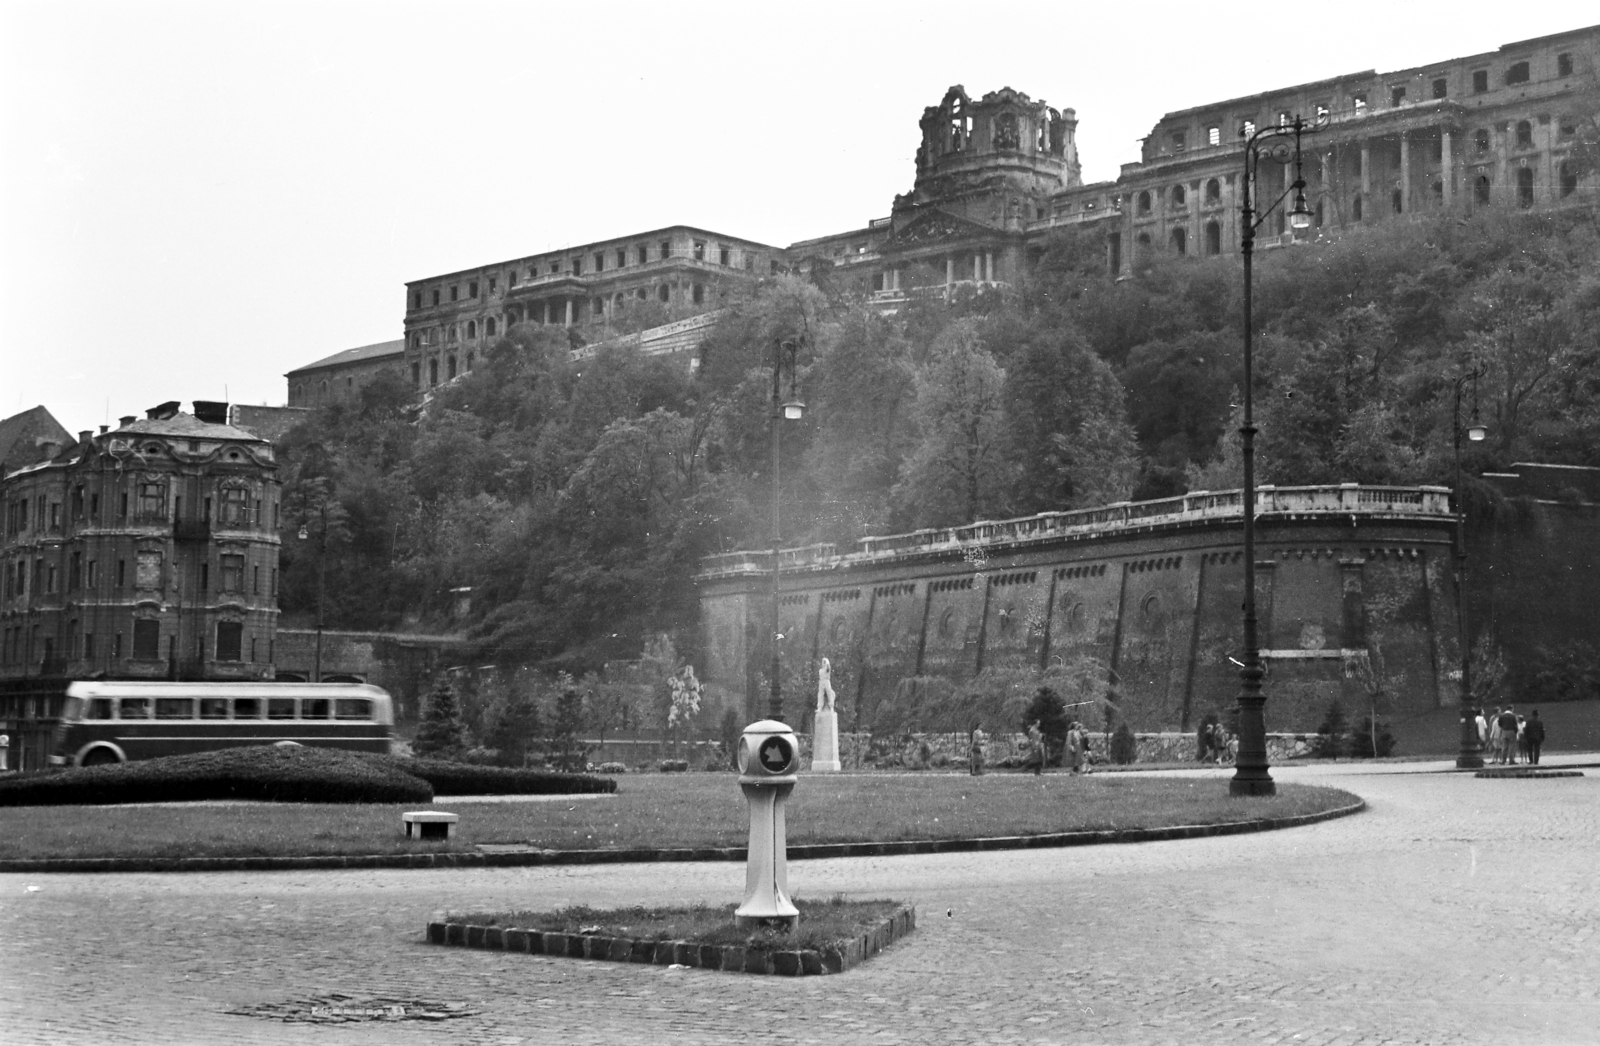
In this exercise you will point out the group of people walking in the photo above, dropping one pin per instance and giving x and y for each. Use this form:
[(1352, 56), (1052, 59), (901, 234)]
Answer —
[(1076, 751), (1506, 736)]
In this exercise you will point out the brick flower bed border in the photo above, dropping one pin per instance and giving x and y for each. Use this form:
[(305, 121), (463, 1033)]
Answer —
[(735, 958), (797, 852)]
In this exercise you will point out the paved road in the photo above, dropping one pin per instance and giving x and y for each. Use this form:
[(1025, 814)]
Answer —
[(1455, 911)]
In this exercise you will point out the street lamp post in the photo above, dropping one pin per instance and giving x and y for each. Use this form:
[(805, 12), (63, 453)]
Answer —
[(1280, 144), (781, 411), (322, 577), (1471, 755)]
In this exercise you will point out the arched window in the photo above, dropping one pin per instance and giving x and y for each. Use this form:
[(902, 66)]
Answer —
[(472, 329), (1524, 134), (616, 300), (641, 294), (1213, 238), (1524, 186), (488, 326), (1213, 191), (322, 392), (1480, 189), (1144, 202), (1179, 196), (1180, 241), (450, 367), (416, 374), (1141, 249), (469, 360), (1569, 180), (433, 372)]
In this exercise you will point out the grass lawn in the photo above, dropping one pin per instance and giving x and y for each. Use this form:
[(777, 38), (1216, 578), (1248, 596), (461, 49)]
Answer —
[(660, 810)]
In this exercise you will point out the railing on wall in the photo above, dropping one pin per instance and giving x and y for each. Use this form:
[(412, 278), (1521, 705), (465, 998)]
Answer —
[(1342, 499)]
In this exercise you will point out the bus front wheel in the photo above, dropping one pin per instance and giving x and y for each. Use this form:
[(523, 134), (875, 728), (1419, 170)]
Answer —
[(100, 757)]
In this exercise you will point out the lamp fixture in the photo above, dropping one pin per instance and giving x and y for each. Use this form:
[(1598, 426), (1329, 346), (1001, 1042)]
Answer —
[(1300, 216), (794, 410)]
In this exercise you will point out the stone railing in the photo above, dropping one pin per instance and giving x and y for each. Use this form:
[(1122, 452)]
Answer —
[(1344, 499)]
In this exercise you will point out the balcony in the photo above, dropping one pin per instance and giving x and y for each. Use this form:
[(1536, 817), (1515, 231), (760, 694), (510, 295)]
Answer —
[(195, 530)]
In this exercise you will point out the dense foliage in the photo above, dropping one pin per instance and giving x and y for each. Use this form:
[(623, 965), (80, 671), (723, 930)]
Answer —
[(287, 774), (575, 499), (453, 778)]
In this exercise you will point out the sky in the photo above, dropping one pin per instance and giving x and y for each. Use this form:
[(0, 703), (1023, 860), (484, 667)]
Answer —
[(198, 197)]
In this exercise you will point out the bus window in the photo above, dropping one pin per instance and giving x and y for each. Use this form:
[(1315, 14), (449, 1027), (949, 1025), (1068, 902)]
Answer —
[(314, 708), (213, 708), (174, 708), (134, 708), (280, 708), (99, 708), (352, 708), (247, 708)]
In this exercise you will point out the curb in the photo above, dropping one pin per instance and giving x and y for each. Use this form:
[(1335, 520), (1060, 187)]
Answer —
[(1528, 772), (732, 958), (537, 858)]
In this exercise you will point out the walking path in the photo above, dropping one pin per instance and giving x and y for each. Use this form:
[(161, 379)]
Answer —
[(1455, 910)]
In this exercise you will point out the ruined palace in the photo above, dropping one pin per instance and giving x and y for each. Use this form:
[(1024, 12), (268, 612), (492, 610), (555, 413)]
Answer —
[(998, 175)]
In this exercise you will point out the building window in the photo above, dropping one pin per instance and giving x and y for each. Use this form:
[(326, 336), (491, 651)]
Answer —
[(436, 297), (664, 292), (1180, 241), (1524, 134), (1397, 201), (146, 640), (488, 326), (233, 573), (666, 249), (152, 501), (75, 572), (1285, 119), (1322, 111), (433, 372), (1213, 238), (1525, 187), (455, 292), (1359, 103), (235, 506), (230, 635), (577, 266), (1480, 140), (416, 374), (1213, 136), (1566, 127), (700, 250), (472, 329), (1355, 207), (1480, 189), (416, 300), (511, 278), (494, 282), (1144, 202), (1563, 65), (1441, 88), (1397, 95), (255, 581), (724, 256), (1247, 128), (1180, 196), (93, 574), (1213, 191), (1569, 185), (450, 366), (1480, 81), (1178, 141), (699, 293), (1517, 73), (472, 289), (599, 261), (643, 253)]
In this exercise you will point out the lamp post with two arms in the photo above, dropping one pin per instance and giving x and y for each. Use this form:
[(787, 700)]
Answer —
[(781, 410), (1471, 755)]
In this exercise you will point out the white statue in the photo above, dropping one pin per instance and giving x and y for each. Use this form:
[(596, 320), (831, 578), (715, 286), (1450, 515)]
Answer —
[(825, 687), (825, 725)]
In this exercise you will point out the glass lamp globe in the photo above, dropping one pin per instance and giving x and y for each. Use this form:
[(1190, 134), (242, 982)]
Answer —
[(794, 410), (1476, 433)]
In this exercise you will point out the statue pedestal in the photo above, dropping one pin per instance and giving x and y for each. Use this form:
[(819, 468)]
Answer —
[(825, 742)]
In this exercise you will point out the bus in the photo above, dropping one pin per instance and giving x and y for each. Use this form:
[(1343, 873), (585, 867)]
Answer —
[(114, 722)]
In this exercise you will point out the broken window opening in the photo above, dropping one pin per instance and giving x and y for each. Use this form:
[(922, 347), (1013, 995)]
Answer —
[(1569, 181), (1480, 81), (1213, 136), (1397, 95), (1213, 191), (1524, 134), (1180, 196), (1180, 241), (1525, 187), (1441, 88), (1517, 73), (1213, 238), (1144, 202)]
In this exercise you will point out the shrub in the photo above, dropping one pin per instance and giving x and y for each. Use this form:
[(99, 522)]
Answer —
[(266, 772), (674, 766), (1369, 741), (611, 768), (441, 732), (1331, 735), (450, 778), (1051, 714), (1124, 747), (1568, 671)]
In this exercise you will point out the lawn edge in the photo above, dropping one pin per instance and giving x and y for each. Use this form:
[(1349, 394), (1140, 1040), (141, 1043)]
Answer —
[(800, 852), (732, 958)]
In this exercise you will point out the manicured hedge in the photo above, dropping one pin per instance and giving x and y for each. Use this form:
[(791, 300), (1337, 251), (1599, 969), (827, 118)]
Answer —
[(448, 778), (265, 772)]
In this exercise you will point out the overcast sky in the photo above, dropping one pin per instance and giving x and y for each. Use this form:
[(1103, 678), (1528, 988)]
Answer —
[(198, 197)]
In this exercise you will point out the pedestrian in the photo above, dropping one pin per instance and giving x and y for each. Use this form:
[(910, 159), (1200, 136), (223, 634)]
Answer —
[(975, 743), (1483, 730), (1534, 732), (1219, 741), (1202, 738), (1508, 735), (1036, 748), (1075, 746), (1494, 736), (1522, 738)]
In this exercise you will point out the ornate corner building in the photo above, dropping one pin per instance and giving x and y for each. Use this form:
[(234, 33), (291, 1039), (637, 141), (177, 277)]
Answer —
[(145, 552)]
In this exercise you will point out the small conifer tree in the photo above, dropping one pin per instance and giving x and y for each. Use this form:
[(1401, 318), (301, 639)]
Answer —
[(441, 734), (516, 726)]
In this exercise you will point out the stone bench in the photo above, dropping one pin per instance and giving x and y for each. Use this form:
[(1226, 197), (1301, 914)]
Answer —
[(430, 824)]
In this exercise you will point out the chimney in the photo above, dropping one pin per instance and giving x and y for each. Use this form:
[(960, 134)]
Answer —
[(84, 437), (162, 411), (103, 429), (126, 420), (211, 412)]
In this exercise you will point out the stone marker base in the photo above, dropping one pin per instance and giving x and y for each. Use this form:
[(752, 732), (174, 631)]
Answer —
[(1526, 771), (430, 824), (733, 958)]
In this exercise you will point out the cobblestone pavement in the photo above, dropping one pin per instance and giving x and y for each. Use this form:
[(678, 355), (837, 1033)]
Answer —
[(1455, 910)]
